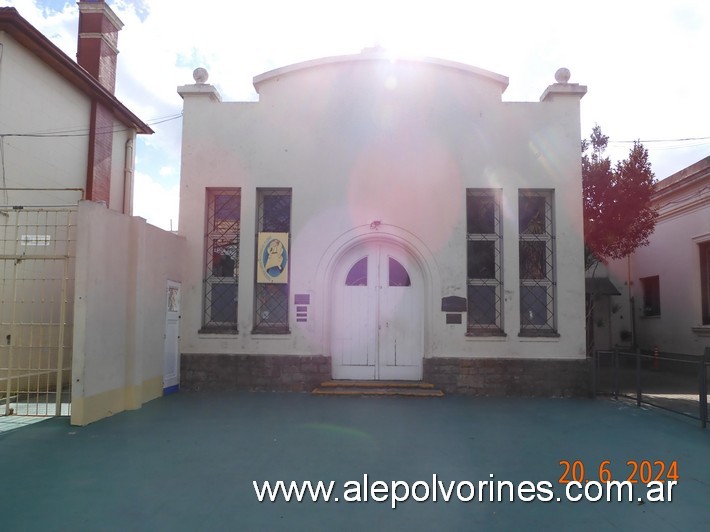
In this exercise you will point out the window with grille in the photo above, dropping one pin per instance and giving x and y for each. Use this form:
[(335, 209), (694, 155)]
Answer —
[(651, 296), (221, 281), (537, 263), (271, 299), (704, 249), (484, 239)]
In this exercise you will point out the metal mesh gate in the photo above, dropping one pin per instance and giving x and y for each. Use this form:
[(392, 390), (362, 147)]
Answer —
[(37, 252)]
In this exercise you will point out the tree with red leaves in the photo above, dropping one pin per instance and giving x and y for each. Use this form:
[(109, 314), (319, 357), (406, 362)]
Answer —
[(618, 214)]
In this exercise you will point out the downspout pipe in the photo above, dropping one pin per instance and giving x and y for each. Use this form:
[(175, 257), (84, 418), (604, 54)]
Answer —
[(128, 176)]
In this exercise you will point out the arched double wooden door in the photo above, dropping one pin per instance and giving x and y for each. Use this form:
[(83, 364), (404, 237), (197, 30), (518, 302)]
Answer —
[(377, 314)]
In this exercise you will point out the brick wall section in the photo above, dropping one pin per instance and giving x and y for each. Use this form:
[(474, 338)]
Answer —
[(97, 52), (492, 377), (510, 377), (98, 179), (266, 373)]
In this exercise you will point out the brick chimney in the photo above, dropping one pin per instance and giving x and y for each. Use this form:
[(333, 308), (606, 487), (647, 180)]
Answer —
[(98, 38), (97, 53)]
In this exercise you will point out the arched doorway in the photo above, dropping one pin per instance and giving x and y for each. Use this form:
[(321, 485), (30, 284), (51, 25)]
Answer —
[(377, 314)]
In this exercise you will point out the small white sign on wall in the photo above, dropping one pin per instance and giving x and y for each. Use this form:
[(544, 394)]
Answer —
[(35, 240)]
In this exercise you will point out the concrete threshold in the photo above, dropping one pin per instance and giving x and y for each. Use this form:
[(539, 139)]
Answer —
[(379, 388)]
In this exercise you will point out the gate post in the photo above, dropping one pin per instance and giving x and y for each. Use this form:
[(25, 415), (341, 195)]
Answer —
[(638, 377), (703, 398), (615, 371), (59, 387), (13, 318)]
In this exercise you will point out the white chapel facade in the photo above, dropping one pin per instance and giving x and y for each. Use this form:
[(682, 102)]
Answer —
[(379, 219)]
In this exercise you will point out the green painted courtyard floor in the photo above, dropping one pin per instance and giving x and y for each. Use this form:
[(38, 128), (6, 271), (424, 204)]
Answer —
[(188, 461)]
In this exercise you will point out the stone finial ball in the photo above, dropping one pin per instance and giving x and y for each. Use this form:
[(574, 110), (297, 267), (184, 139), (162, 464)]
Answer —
[(562, 75), (200, 75)]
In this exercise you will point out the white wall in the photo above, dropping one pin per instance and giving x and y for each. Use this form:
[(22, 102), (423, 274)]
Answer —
[(673, 255), (384, 141), (122, 267), (35, 99)]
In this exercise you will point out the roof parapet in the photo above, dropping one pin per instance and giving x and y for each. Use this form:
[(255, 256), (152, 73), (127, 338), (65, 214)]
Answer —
[(377, 54), (563, 87), (200, 75)]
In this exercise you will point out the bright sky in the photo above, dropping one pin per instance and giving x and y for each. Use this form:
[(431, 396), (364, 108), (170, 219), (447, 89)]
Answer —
[(644, 61)]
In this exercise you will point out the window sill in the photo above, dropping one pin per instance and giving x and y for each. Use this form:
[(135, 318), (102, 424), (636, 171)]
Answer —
[(280, 332), (218, 331), (485, 333), (534, 335), (701, 330), (486, 338), (651, 317)]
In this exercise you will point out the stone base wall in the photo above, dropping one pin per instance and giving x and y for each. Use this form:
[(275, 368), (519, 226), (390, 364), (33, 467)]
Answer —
[(510, 377), (467, 376), (278, 373)]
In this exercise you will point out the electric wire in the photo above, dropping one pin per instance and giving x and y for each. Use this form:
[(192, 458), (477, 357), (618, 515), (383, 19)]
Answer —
[(649, 141), (84, 131)]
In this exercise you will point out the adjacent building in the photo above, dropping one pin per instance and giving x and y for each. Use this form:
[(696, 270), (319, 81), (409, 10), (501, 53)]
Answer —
[(64, 134), (665, 286), (89, 295)]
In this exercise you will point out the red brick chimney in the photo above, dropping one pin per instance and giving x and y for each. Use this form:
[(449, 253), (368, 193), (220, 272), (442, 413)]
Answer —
[(98, 38), (97, 53)]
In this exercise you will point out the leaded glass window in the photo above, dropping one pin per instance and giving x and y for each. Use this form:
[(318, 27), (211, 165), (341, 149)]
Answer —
[(398, 276), (357, 276), (271, 300), (221, 281), (484, 272), (537, 263)]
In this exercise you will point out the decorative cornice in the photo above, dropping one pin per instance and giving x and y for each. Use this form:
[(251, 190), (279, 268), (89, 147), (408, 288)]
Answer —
[(101, 8), (370, 55), (101, 36)]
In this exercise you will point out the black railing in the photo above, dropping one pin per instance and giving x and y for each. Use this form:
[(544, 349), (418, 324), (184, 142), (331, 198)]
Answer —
[(678, 383)]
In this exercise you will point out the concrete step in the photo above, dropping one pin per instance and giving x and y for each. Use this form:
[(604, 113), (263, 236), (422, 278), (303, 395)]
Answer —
[(382, 388)]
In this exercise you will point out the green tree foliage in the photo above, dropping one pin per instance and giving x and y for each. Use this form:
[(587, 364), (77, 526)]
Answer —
[(618, 215)]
